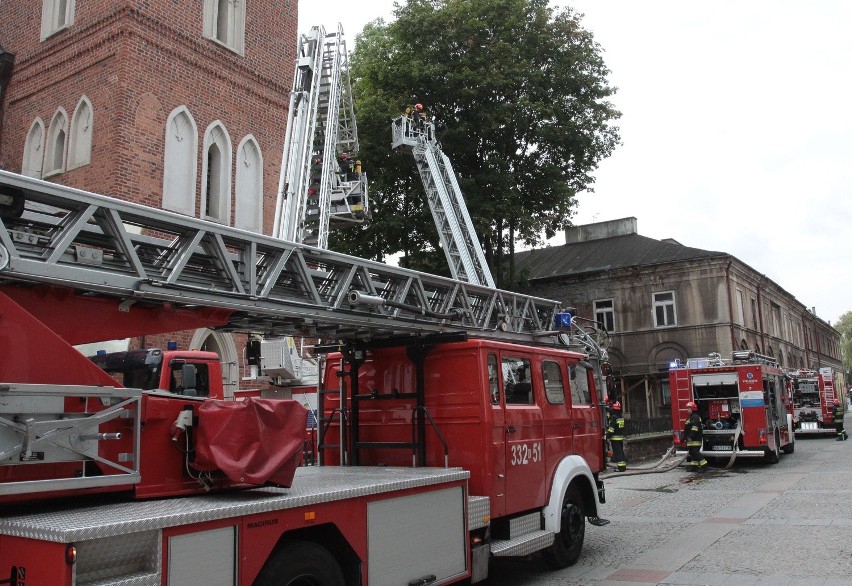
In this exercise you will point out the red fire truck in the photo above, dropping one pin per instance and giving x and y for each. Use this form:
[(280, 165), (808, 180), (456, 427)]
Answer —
[(744, 403), (464, 431), (813, 400)]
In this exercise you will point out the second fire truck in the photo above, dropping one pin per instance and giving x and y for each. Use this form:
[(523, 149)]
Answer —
[(813, 400), (744, 402)]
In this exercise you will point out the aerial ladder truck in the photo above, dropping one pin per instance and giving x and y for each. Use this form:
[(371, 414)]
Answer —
[(315, 194), (312, 192), (449, 211), (503, 462)]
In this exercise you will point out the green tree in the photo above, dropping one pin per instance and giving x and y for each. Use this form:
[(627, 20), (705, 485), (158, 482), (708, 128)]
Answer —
[(519, 94), (844, 326)]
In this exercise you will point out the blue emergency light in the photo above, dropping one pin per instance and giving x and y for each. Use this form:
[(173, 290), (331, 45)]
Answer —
[(562, 321), (171, 345)]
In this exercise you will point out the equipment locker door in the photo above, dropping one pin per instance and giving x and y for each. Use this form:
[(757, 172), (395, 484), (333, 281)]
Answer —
[(525, 482)]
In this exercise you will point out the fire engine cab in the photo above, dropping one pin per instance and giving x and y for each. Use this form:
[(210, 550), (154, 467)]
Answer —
[(744, 403)]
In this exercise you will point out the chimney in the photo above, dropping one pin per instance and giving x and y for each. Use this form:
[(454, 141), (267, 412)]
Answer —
[(600, 230)]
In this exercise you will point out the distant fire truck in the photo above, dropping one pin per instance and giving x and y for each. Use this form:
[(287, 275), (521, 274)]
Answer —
[(744, 403), (813, 400)]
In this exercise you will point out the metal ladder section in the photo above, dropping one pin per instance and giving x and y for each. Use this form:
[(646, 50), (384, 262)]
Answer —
[(455, 227), (321, 123), (79, 240), (35, 426), (682, 391)]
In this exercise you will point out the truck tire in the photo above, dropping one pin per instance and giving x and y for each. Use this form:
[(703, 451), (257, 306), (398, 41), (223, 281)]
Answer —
[(569, 541), (300, 563), (791, 447)]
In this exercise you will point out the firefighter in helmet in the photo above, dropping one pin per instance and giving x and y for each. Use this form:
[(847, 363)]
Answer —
[(615, 432), (838, 421), (419, 116), (693, 432)]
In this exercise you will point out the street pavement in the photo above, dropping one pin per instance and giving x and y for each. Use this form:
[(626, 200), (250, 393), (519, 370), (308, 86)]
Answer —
[(781, 524)]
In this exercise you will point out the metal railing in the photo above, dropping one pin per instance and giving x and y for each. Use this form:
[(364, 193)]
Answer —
[(640, 425)]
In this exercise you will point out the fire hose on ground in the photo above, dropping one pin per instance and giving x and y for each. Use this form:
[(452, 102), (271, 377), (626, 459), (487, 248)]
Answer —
[(669, 461)]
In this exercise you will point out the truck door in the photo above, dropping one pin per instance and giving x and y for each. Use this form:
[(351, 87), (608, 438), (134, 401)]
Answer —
[(585, 415), (498, 439), (525, 482)]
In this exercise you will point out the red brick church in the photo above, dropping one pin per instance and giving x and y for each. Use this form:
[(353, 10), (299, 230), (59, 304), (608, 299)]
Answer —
[(172, 104)]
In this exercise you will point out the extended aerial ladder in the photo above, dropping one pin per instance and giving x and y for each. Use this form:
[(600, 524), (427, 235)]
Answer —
[(455, 227), (82, 268), (312, 192), (134, 254)]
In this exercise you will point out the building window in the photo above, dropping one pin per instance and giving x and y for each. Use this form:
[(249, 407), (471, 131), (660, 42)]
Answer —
[(664, 309), (56, 15), (754, 313), (605, 314), (248, 204), (80, 141), (57, 139), (216, 175), (740, 307), (180, 162), (665, 391), (34, 150), (225, 23), (775, 312)]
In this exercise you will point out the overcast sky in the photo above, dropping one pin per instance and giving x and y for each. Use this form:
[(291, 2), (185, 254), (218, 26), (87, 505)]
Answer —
[(736, 129)]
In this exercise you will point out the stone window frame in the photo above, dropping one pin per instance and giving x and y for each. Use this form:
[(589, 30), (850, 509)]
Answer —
[(80, 137), (216, 137), (180, 162), (226, 27), (248, 186), (33, 159), (56, 15), (57, 138)]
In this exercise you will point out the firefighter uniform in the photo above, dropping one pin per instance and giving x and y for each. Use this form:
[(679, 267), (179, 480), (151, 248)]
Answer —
[(838, 421), (693, 433), (615, 432)]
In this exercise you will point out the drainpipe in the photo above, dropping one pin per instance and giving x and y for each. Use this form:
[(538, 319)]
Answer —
[(730, 303), (760, 315), (805, 341), (816, 337)]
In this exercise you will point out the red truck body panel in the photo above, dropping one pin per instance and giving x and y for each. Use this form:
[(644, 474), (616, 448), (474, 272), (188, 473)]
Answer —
[(511, 448)]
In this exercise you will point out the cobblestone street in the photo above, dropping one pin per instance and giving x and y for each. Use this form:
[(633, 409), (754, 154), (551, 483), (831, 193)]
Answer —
[(755, 523)]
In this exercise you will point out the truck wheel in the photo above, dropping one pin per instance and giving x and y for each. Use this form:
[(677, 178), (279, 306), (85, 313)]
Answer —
[(791, 447), (300, 563), (569, 541)]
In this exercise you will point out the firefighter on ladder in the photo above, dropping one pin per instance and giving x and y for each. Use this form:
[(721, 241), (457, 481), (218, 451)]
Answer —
[(615, 431), (838, 421), (693, 432)]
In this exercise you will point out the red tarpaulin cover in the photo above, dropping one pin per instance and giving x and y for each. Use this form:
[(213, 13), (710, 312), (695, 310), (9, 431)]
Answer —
[(256, 441)]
